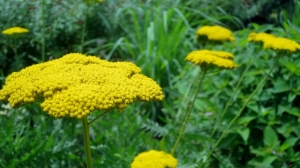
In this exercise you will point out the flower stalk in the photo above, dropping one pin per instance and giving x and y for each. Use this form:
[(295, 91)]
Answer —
[(83, 32), (86, 137), (187, 114), (229, 102), (17, 58), (261, 84), (43, 31)]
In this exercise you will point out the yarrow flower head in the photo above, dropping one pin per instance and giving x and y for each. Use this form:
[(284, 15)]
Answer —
[(275, 43), (282, 44), (76, 85), (259, 37), (15, 31), (214, 33), (223, 60), (154, 159)]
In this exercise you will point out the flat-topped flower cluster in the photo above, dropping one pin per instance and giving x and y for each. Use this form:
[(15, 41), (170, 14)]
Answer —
[(221, 59), (275, 43), (76, 85), (154, 159)]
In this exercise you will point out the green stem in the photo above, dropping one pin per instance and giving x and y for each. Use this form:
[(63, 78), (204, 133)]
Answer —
[(43, 31), (86, 136), (229, 102), (84, 28), (187, 115), (98, 117), (187, 92), (17, 58), (261, 84)]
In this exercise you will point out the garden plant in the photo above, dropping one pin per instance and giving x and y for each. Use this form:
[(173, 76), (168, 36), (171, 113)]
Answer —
[(150, 84)]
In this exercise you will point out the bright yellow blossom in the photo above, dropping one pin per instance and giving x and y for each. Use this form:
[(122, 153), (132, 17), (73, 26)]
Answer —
[(15, 30), (76, 85), (154, 159), (215, 33), (282, 44), (259, 37), (220, 59)]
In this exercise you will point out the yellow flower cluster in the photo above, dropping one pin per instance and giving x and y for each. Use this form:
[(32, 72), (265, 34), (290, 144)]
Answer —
[(76, 85), (282, 44), (220, 59), (154, 159), (259, 37), (14, 30), (215, 33), (276, 43)]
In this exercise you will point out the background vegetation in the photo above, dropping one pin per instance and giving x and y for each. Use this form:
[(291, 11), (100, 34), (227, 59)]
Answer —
[(157, 35)]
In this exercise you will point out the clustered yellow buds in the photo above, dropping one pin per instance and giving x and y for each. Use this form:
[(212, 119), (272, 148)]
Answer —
[(215, 33), (154, 159), (223, 60), (76, 85), (14, 30), (259, 37), (275, 43)]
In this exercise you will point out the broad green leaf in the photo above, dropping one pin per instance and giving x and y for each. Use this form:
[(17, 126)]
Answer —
[(270, 137), (292, 96), (288, 143), (268, 160), (280, 85), (294, 111), (245, 132), (285, 130), (201, 104), (245, 120)]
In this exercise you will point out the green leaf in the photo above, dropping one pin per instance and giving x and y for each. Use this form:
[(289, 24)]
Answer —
[(292, 96), (294, 111), (245, 120), (280, 85), (267, 161), (270, 137), (288, 143), (244, 134)]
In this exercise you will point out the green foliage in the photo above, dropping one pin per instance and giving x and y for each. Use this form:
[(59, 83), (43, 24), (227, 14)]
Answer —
[(29, 138), (157, 35)]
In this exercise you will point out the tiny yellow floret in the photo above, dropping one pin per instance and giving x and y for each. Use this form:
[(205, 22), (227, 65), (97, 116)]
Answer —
[(215, 33), (76, 85), (223, 60), (154, 159), (15, 30)]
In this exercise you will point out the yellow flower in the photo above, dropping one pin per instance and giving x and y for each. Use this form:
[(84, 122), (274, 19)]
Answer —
[(76, 85), (14, 30), (259, 37), (215, 33), (154, 159), (281, 44), (220, 59)]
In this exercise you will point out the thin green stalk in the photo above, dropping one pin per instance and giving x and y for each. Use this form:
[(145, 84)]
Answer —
[(17, 58), (261, 84), (187, 114), (84, 28), (187, 92), (98, 117), (229, 102), (86, 136), (43, 31)]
